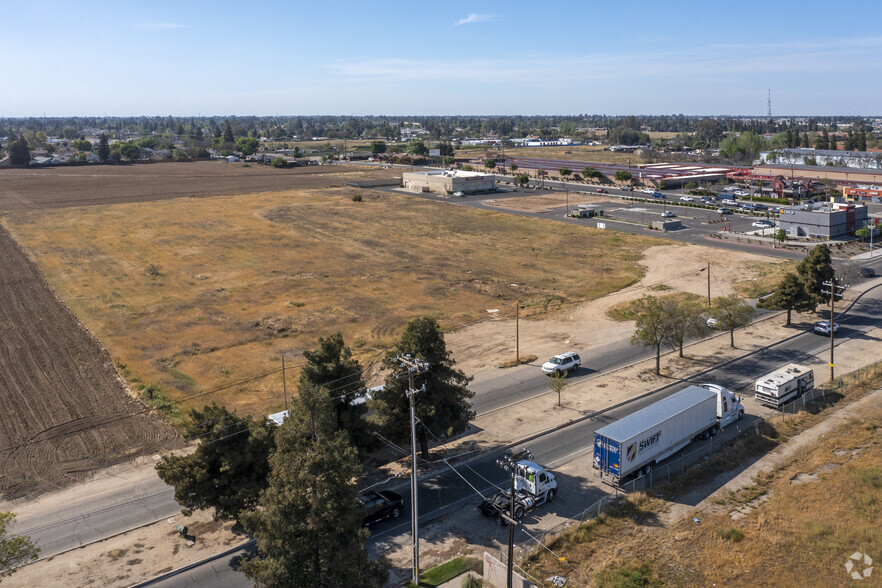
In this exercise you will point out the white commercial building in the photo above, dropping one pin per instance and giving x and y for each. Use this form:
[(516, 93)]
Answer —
[(448, 181)]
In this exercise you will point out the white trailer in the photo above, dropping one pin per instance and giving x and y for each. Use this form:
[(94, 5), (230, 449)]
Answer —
[(633, 444), (784, 385)]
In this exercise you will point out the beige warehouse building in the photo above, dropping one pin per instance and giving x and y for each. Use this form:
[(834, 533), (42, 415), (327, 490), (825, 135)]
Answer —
[(448, 182)]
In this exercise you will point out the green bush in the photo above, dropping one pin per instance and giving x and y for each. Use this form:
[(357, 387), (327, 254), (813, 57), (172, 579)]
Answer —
[(357, 198)]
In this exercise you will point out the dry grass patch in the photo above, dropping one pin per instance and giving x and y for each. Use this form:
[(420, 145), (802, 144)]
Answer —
[(243, 278), (766, 275)]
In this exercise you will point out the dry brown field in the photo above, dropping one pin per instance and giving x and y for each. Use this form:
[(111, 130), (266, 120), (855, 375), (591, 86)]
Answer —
[(59, 187), (65, 412), (243, 278)]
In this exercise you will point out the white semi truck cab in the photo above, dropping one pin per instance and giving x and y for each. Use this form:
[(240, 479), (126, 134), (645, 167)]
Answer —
[(534, 486)]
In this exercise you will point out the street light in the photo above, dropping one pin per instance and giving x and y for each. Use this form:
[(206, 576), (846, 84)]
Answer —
[(510, 464)]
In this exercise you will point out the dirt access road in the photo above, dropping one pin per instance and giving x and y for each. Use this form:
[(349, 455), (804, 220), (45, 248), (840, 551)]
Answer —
[(65, 412)]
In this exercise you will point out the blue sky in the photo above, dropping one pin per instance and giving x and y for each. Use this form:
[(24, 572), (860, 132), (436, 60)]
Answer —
[(419, 57)]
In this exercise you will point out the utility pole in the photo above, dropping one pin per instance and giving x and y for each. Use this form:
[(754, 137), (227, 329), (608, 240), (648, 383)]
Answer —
[(510, 464), (708, 284), (835, 291), (413, 367), (517, 333), (284, 384)]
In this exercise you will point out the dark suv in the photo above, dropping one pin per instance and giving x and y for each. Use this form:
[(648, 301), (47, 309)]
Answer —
[(380, 505)]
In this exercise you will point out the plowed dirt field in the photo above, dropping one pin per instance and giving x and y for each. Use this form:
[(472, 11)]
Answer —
[(63, 411), (60, 187)]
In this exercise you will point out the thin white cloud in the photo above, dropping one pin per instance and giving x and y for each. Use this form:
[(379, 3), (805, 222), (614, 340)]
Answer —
[(683, 64), (159, 26), (474, 18)]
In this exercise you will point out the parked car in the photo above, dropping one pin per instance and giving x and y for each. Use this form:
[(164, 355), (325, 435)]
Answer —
[(741, 193), (668, 214), (731, 189), (687, 199), (867, 272), (706, 199), (763, 224), (823, 327), (748, 206), (601, 191), (724, 210), (730, 202), (562, 363), (759, 206), (460, 194), (380, 505), (712, 322)]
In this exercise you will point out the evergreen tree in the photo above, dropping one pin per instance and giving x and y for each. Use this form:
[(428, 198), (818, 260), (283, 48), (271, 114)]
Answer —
[(103, 148), (815, 269), (862, 140), (15, 550), (229, 468), (790, 295), (444, 407), (823, 139), (19, 152), (333, 367), (309, 527), (228, 133)]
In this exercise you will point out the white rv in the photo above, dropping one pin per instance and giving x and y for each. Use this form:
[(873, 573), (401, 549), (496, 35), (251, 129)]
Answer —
[(784, 385)]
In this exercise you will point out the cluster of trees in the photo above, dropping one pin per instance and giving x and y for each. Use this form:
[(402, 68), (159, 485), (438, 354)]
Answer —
[(623, 129), (294, 487), (802, 291), (669, 322)]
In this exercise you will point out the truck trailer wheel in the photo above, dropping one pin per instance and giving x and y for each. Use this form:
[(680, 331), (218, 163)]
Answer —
[(519, 512), (550, 496), (713, 431)]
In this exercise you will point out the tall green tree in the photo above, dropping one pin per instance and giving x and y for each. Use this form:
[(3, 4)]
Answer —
[(444, 407), (623, 176), (229, 467), (490, 164), (333, 367), (521, 180), (228, 133), (130, 151), (19, 152), (247, 145), (815, 269), (103, 148), (565, 172), (653, 326), (309, 527), (790, 295), (731, 313), (417, 147), (15, 550), (378, 147)]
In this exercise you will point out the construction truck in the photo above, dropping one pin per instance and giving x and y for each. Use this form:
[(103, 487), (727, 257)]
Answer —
[(534, 486)]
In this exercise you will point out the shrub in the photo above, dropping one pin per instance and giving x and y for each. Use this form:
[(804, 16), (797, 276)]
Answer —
[(356, 198)]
